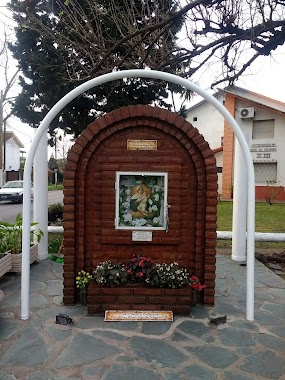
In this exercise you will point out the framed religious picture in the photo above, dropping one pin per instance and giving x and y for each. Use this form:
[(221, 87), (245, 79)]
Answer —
[(141, 201)]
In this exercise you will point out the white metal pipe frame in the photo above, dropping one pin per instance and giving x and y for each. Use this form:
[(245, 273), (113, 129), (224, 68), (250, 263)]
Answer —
[(137, 73), (221, 235)]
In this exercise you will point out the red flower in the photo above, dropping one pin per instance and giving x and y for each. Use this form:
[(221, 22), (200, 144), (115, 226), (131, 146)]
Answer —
[(140, 274), (195, 283)]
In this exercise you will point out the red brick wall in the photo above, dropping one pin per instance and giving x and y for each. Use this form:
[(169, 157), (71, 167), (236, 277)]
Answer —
[(89, 194), (138, 298), (228, 149), (276, 193)]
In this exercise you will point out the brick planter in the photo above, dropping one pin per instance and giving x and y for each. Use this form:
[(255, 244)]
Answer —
[(138, 297)]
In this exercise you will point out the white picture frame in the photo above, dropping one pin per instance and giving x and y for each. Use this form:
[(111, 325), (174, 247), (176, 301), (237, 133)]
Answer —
[(141, 201)]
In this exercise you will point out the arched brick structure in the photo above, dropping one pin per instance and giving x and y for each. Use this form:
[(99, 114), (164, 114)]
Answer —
[(89, 194)]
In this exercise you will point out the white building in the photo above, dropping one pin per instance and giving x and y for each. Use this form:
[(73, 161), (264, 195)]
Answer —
[(262, 121), (12, 156)]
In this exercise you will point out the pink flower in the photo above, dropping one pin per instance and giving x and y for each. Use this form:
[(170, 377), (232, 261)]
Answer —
[(140, 274)]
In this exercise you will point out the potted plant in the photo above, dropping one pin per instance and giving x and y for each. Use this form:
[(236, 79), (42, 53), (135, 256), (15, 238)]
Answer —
[(5, 256), (196, 287), (12, 240), (83, 280)]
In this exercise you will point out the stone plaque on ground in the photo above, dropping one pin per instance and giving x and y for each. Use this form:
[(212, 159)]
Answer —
[(137, 315)]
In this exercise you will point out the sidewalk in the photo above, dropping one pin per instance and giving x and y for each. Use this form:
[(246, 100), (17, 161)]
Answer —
[(188, 348)]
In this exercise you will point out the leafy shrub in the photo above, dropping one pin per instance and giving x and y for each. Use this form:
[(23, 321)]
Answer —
[(55, 213), (168, 276), (110, 274), (139, 268), (11, 235), (54, 245)]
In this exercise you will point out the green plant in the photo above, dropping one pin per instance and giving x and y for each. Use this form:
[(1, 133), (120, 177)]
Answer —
[(168, 276), (139, 268), (110, 274), (54, 245), (11, 235), (272, 191), (55, 213), (83, 279), (143, 269), (3, 241)]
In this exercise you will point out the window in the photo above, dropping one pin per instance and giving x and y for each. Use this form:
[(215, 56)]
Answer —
[(263, 129), (265, 172)]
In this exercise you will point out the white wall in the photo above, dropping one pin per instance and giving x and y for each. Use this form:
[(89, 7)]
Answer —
[(12, 156), (276, 154), (211, 125)]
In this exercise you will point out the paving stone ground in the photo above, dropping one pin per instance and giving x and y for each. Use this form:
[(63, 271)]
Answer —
[(187, 348)]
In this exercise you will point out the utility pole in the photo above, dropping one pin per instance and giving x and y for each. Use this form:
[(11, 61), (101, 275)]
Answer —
[(1, 139)]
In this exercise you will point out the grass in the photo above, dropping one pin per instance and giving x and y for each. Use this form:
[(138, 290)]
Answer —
[(53, 187), (268, 218), (258, 244)]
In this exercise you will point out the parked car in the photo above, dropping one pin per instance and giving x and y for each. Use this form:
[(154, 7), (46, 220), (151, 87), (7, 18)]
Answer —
[(13, 191)]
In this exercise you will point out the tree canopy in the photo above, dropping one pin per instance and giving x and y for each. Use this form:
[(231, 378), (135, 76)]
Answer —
[(62, 43)]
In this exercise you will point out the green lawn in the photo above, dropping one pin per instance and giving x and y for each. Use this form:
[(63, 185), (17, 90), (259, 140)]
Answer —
[(268, 218), (53, 187)]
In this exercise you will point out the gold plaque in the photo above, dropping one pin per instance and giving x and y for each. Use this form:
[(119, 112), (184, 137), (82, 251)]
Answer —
[(142, 144), (137, 315)]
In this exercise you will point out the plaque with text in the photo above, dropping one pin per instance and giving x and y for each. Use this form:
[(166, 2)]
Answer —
[(135, 315), (142, 144), (141, 236)]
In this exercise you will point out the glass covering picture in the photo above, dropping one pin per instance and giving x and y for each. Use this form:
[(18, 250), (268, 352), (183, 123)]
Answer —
[(141, 200)]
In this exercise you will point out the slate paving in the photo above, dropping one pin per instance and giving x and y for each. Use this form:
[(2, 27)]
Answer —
[(190, 347)]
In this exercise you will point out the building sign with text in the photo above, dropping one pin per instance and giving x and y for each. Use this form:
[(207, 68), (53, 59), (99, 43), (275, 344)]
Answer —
[(266, 152)]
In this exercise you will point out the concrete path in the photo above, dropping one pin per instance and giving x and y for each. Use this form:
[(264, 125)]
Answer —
[(188, 348)]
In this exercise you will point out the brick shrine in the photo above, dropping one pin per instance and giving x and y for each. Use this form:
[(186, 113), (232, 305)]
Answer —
[(90, 234)]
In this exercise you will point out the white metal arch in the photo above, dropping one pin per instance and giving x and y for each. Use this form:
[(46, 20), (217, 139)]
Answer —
[(140, 73)]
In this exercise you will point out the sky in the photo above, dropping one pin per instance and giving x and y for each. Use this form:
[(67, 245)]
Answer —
[(266, 76)]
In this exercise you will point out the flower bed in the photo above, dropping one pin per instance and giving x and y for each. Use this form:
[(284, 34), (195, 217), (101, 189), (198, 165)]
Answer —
[(138, 297), (141, 284)]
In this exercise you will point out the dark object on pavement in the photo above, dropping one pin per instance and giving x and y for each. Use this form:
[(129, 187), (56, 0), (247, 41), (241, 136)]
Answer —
[(218, 320), (63, 319)]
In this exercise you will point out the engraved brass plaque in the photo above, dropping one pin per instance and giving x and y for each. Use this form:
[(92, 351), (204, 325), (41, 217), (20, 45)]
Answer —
[(142, 144), (137, 315)]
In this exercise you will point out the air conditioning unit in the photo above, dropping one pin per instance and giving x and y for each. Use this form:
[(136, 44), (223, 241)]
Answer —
[(246, 113)]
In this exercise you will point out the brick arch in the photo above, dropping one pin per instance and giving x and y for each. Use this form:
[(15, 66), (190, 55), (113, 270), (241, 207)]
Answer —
[(89, 195)]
